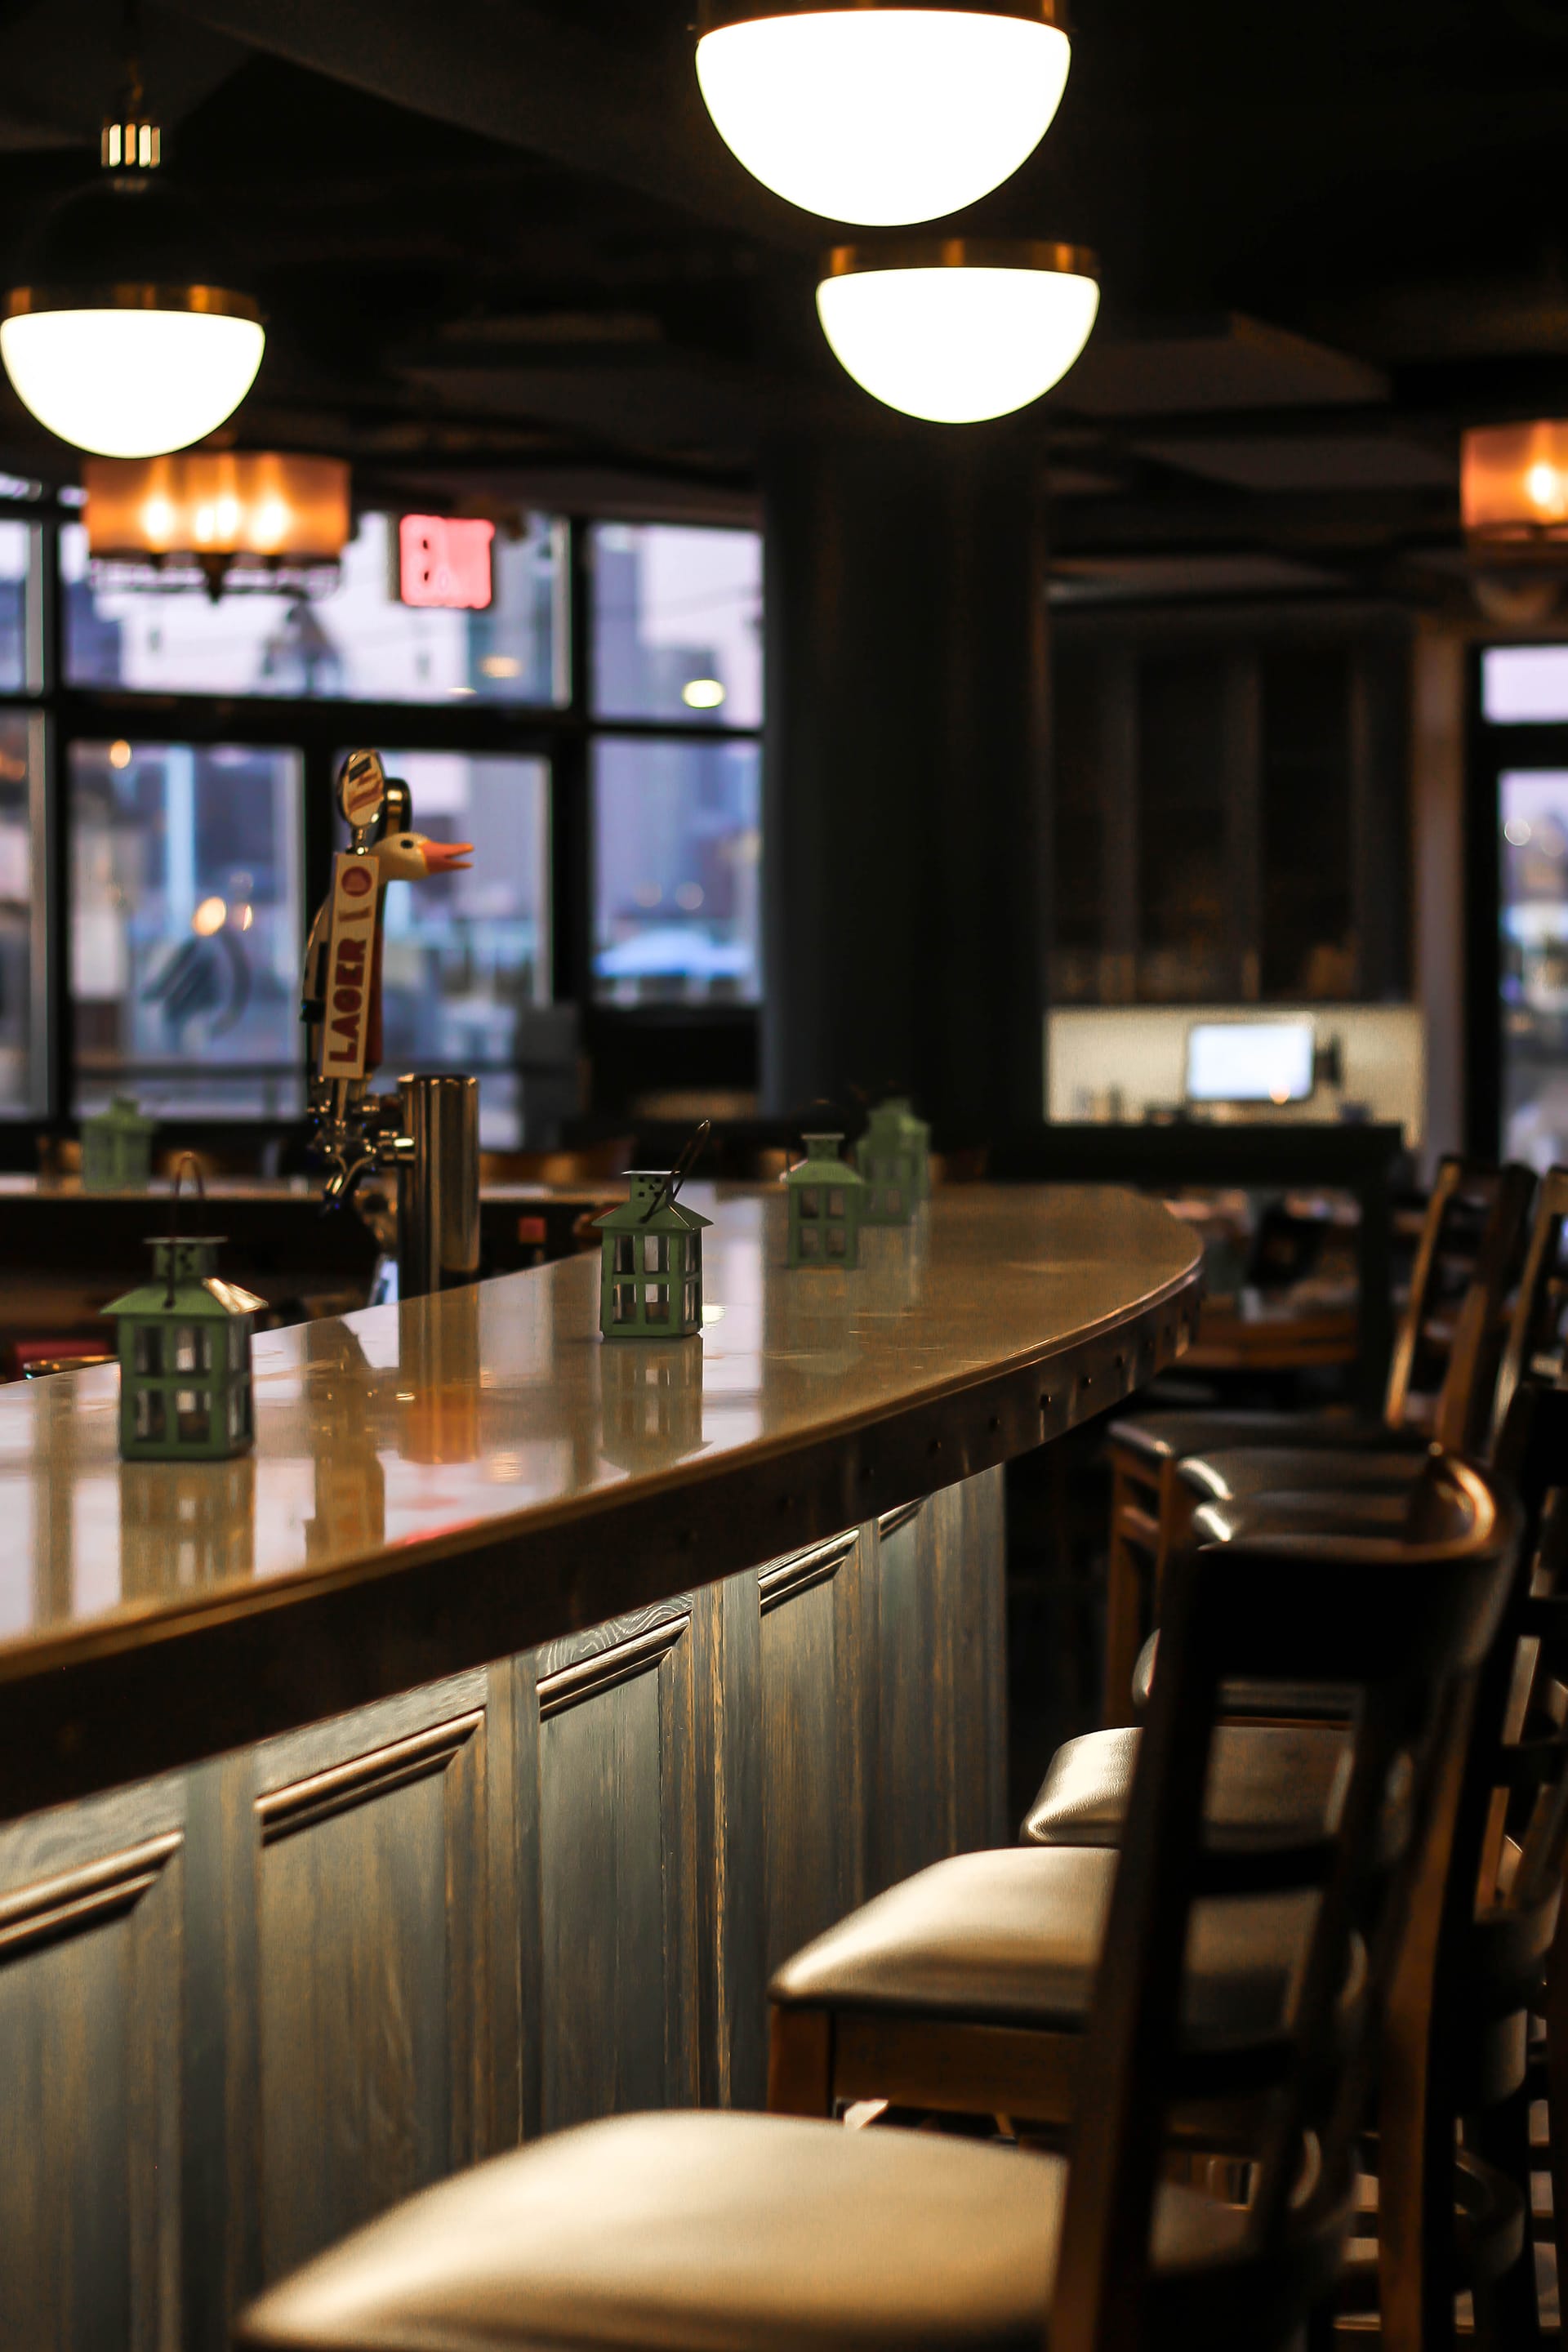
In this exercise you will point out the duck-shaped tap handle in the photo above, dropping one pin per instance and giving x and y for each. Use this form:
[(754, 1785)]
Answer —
[(342, 1006), (341, 991)]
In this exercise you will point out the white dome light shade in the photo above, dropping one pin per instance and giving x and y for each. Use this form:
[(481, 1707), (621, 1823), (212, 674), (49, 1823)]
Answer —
[(961, 332), (135, 381), (884, 115)]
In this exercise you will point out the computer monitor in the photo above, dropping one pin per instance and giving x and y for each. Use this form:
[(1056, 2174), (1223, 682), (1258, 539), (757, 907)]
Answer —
[(1249, 1061)]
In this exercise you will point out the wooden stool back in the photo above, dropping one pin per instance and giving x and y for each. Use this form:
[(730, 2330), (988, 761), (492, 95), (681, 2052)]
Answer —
[(1536, 1346), (1444, 1369), (1443, 1379), (1407, 1625)]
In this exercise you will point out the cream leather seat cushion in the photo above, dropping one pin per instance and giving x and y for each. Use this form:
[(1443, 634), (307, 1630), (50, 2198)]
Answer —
[(1014, 1937), (703, 2232), (1270, 1785)]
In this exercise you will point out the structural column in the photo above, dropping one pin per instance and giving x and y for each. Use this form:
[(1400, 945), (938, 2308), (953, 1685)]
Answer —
[(905, 793)]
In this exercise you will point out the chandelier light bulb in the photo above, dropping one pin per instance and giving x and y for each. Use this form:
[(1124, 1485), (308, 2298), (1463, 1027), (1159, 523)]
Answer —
[(958, 331), (882, 114)]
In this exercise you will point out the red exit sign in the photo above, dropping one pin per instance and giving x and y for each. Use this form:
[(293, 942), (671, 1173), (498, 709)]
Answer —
[(444, 562)]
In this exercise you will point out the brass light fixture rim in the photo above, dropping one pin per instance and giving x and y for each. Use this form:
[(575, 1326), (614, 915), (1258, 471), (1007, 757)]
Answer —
[(207, 301), (960, 253), (715, 16)]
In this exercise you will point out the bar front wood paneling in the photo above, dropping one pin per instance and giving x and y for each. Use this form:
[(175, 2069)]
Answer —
[(251, 2001)]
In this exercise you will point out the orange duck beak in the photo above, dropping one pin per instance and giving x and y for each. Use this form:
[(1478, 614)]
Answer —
[(447, 856)]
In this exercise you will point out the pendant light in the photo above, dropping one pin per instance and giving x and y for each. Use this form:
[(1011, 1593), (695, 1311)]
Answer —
[(958, 330), (867, 110), (126, 335)]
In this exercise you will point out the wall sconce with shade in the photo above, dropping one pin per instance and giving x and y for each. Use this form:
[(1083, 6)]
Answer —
[(881, 112), (956, 330), (259, 510), (1513, 484), (1514, 498)]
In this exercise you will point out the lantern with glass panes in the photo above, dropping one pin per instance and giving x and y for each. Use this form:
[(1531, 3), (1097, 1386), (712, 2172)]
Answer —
[(651, 1269), (184, 1340), (117, 1149), (826, 1203), (891, 1156)]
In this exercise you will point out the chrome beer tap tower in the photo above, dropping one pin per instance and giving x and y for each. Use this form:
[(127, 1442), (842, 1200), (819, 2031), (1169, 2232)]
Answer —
[(427, 1133)]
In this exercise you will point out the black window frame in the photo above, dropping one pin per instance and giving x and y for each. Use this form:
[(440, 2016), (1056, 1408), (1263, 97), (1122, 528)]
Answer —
[(662, 1043)]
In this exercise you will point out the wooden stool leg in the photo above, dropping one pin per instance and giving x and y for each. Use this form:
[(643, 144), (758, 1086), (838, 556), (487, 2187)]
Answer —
[(1415, 2233), (800, 2062), (1554, 2008), (1126, 1575), (1507, 2316)]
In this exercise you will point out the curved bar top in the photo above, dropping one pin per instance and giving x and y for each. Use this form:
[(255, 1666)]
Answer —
[(443, 1483)]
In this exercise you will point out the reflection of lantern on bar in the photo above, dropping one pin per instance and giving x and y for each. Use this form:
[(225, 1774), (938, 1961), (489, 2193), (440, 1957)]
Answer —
[(267, 510), (194, 1527), (1514, 484), (652, 1400)]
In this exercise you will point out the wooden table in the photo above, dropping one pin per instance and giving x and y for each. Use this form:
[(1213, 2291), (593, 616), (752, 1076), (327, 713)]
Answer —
[(459, 1764), (1288, 1154)]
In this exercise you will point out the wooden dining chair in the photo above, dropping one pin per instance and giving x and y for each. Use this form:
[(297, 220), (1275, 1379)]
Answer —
[(750, 2233), (1441, 1387)]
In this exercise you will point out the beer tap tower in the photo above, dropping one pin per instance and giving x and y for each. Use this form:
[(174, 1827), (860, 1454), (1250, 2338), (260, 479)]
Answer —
[(428, 1132)]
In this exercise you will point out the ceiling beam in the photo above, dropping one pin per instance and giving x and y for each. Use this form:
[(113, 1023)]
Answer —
[(515, 75)]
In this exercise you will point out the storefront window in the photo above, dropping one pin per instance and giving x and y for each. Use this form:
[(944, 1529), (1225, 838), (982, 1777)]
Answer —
[(16, 545), (1534, 953), (185, 928), (466, 955), (21, 744), (677, 624), (356, 643), (676, 872)]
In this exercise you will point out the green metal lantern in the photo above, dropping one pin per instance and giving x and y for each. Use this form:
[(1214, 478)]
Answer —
[(893, 1157), (827, 1205), (650, 1274), (117, 1149), (185, 1359)]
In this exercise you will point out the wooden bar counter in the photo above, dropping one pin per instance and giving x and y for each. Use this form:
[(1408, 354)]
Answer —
[(459, 1764)]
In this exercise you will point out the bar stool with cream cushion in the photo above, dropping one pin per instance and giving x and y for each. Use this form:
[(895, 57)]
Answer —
[(1440, 1390), (967, 1987), (741, 2233)]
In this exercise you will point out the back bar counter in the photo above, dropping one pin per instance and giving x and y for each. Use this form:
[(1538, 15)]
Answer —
[(457, 1766)]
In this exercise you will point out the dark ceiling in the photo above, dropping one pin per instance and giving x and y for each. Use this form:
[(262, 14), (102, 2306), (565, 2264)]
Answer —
[(501, 240)]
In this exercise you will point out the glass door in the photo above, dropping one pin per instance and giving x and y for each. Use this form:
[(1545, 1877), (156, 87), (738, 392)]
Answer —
[(1533, 963)]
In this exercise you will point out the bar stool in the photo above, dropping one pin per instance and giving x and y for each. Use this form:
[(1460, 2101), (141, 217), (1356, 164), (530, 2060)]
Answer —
[(966, 1987), (1465, 2060), (1440, 1389), (738, 2233)]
